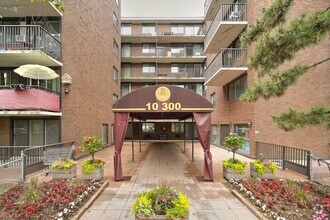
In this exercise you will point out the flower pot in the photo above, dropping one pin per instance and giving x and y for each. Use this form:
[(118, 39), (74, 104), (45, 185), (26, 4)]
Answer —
[(65, 174), (154, 217), (230, 173), (97, 174), (268, 174)]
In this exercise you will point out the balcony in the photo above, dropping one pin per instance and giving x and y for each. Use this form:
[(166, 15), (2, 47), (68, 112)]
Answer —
[(28, 44), (211, 8), (164, 55), (18, 9), (162, 74), (164, 34), (23, 100), (226, 66), (228, 23)]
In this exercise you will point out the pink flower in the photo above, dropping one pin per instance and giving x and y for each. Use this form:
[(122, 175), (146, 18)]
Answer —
[(89, 139)]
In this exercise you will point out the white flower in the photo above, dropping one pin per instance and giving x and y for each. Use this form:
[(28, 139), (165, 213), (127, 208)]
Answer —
[(258, 202), (65, 211), (86, 193), (252, 197), (71, 204), (60, 214), (263, 208)]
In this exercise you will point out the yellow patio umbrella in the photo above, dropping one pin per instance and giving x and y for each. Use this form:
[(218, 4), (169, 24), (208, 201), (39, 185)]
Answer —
[(35, 71)]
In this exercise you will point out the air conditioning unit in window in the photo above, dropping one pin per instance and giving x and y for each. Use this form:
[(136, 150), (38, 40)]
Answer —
[(167, 33), (20, 38)]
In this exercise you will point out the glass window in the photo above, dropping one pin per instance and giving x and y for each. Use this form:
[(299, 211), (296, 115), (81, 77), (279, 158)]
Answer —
[(115, 74), (212, 99), (125, 88), (21, 133), (126, 70), (115, 47), (178, 49), (214, 134), (105, 134), (126, 50), (52, 131), (237, 87), (126, 29), (149, 68), (177, 127), (148, 29), (114, 98), (115, 21), (37, 132), (148, 127), (149, 48)]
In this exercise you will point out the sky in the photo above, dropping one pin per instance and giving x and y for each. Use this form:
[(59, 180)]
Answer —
[(162, 8)]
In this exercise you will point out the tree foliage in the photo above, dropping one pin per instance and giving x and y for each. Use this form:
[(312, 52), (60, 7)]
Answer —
[(277, 42), (57, 3)]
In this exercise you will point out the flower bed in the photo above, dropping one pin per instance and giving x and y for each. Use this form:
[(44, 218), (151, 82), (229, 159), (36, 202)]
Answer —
[(57, 199), (285, 199)]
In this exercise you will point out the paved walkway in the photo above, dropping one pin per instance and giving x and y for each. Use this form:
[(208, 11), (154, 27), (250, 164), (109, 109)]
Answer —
[(158, 161)]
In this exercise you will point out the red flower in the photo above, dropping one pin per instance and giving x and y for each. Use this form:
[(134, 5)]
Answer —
[(100, 161), (29, 212), (89, 139), (8, 206)]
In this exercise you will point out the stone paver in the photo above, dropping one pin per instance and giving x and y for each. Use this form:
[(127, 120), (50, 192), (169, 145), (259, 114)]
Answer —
[(167, 161)]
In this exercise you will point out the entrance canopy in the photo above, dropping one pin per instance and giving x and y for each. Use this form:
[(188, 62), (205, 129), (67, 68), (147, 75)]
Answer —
[(163, 102)]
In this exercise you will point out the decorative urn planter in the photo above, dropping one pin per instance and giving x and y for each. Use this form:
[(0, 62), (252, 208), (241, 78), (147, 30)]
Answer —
[(267, 175), (97, 174), (230, 173)]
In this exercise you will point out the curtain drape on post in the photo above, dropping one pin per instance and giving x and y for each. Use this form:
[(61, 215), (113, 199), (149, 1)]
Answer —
[(203, 126), (121, 124)]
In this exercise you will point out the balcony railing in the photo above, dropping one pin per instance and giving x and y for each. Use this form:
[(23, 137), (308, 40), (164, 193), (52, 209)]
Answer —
[(151, 72), (227, 59), (163, 52), (206, 5), (29, 37), (24, 97), (226, 13)]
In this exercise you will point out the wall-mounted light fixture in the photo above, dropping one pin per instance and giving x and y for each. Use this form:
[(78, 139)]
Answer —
[(250, 124), (5, 77), (66, 79)]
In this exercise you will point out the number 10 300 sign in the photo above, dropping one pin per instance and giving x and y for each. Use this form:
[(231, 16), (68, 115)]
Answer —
[(164, 106)]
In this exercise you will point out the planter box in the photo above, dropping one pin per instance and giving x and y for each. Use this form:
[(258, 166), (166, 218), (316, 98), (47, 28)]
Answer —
[(65, 174), (230, 173), (97, 174), (154, 217), (254, 173)]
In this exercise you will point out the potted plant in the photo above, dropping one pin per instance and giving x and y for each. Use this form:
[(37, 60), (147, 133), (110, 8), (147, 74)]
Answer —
[(93, 168), (264, 169), (162, 202), (64, 168), (234, 168)]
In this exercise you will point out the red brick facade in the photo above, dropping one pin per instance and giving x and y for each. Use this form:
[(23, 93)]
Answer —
[(312, 89)]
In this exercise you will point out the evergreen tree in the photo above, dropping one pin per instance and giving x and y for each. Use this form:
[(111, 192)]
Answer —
[(275, 43)]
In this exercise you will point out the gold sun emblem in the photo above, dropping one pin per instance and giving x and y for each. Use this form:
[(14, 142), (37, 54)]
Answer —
[(163, 93)]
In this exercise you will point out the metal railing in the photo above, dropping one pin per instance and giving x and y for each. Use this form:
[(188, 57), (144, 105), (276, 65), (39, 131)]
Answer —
[(10, 174), (25, 86), (226, 13), (33, 157), (162, 52), (295, 159), (29, 37), (320, 171), (206, 5), (227, 58), (161, 30), (162, 72), (11, 153)]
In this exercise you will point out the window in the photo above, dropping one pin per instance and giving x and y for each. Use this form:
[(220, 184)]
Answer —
[(243, 131), (105, 134), (126, 70), (196, 87), (148, 29), (114, 98), (149, 68), (177, 127), (126, 50), (115, 47), (126, 29), (149, 48), (237, 87), (36, 132), (125, 88), (178, 49), (148, 127), (214, 134), (115, 21), (115, 74), (212, 98), (186, 29)]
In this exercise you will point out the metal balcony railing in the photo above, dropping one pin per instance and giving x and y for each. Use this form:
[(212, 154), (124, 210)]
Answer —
[(29, 37), (226, 58), (206, 5), (153, 72), (164, 52), (226, 13)]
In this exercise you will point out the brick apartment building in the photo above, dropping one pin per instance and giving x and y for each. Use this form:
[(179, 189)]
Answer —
[(108, 55), (84, 43)]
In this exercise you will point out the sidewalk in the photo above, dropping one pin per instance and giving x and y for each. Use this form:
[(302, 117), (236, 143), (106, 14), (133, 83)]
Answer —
[(157, 161)]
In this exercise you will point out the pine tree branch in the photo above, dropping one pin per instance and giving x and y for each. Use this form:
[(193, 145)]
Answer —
[(293, 119)]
